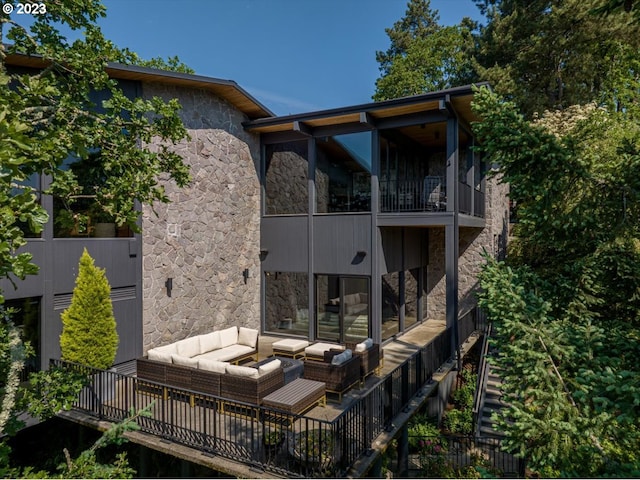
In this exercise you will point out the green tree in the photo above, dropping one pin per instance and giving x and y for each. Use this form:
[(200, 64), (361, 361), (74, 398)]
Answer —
[(567, 307), (89, 335), (48, 116), (424, 56), (550, 54)]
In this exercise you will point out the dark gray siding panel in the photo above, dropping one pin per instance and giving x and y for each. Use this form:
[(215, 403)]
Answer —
[(337, 241), (413, 248), (286, 241), (32, 285), (117, 256), (391, 259)]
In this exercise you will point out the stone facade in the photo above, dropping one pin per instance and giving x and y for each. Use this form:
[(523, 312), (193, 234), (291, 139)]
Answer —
[(210, 232), (472, 243)]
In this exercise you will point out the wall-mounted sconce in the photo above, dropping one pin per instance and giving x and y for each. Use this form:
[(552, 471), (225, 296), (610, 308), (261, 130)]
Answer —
[(245, 274), (263, 254), (359, 257), (169, 285)]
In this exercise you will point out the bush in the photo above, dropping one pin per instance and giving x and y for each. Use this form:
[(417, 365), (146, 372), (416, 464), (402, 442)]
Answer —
[(89, 335), (421, 427)]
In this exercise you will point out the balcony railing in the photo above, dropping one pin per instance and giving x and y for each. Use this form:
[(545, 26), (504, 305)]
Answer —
[(427, 195), (235, 430)]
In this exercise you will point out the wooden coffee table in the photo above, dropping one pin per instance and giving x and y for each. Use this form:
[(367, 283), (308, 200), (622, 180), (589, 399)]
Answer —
[(297, 397)]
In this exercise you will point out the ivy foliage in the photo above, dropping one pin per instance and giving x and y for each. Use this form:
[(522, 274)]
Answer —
[(566, 306)]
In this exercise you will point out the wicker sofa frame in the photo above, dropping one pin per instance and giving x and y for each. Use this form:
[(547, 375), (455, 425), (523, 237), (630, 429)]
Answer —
[(338, 378), (370, 359), (178, 376), (250, 390)]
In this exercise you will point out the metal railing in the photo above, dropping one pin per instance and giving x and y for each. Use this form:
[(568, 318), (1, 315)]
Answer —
[(412, 195), (456, 455), (236, 430), (464, 198), (422, 196)]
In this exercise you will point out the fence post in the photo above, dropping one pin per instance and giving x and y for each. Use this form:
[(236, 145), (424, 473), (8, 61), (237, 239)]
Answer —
[(403, 452)]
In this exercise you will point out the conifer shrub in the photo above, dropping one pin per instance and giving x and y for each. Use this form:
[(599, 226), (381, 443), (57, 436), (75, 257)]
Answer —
[(89, 335)]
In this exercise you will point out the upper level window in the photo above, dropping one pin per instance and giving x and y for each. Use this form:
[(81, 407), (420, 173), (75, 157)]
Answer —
[(343, 173), (286, 174)]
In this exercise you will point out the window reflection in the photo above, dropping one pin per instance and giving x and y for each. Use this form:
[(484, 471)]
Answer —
[(343, 173), (286, 189), (342, 308), (287, 300)]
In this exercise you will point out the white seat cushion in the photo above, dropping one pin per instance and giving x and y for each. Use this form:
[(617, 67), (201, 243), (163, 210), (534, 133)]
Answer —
[(228, 353), (210, 341), (228, 336), (240, 371), (248, 337), (269, 366), (184, 361), (290, 345), (189, 347), (212, 365), (318, 349), (159, 355)]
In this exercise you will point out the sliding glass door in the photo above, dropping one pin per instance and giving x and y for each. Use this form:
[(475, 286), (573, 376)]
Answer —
[(342, 308)]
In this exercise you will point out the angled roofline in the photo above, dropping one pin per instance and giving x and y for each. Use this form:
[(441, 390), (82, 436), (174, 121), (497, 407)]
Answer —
[(227, 89), (372, 107)]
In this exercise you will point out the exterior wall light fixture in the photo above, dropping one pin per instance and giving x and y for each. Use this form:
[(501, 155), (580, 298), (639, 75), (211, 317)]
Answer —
[(245, 274)]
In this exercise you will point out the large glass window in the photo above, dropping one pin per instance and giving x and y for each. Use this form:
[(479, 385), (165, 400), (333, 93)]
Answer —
[(286, 188), (342, 308), (390, 305), (411, 297), (343, 173), (286, 303)]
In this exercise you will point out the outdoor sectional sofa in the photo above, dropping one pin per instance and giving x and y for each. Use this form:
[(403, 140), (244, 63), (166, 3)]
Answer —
[(199, 363)]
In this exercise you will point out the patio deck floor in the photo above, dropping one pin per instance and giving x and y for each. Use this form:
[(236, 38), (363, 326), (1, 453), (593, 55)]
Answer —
[(185, 415), (395, 352)]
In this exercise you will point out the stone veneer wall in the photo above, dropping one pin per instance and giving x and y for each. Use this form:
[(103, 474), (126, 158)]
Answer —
[(209, 233), (472, 243)]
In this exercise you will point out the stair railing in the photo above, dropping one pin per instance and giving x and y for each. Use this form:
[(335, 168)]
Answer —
[(483, 373)]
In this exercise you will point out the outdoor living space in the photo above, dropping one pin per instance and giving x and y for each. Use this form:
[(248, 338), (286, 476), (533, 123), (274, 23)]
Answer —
[(213, 431)]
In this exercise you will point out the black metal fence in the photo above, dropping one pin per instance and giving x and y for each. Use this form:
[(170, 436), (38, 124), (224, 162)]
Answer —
[(462, 457), (268, 439)]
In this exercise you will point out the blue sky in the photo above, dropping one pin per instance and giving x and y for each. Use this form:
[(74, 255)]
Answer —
[(292, 55)]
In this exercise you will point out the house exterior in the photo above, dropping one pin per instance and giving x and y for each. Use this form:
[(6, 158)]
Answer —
[(335, 225)]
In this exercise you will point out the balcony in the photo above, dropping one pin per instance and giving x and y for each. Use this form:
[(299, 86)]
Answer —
[(325, 442), (428, 195)]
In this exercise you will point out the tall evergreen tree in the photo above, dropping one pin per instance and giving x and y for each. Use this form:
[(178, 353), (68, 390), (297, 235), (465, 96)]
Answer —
[(550, 54), (89, 335), (424, 56)]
